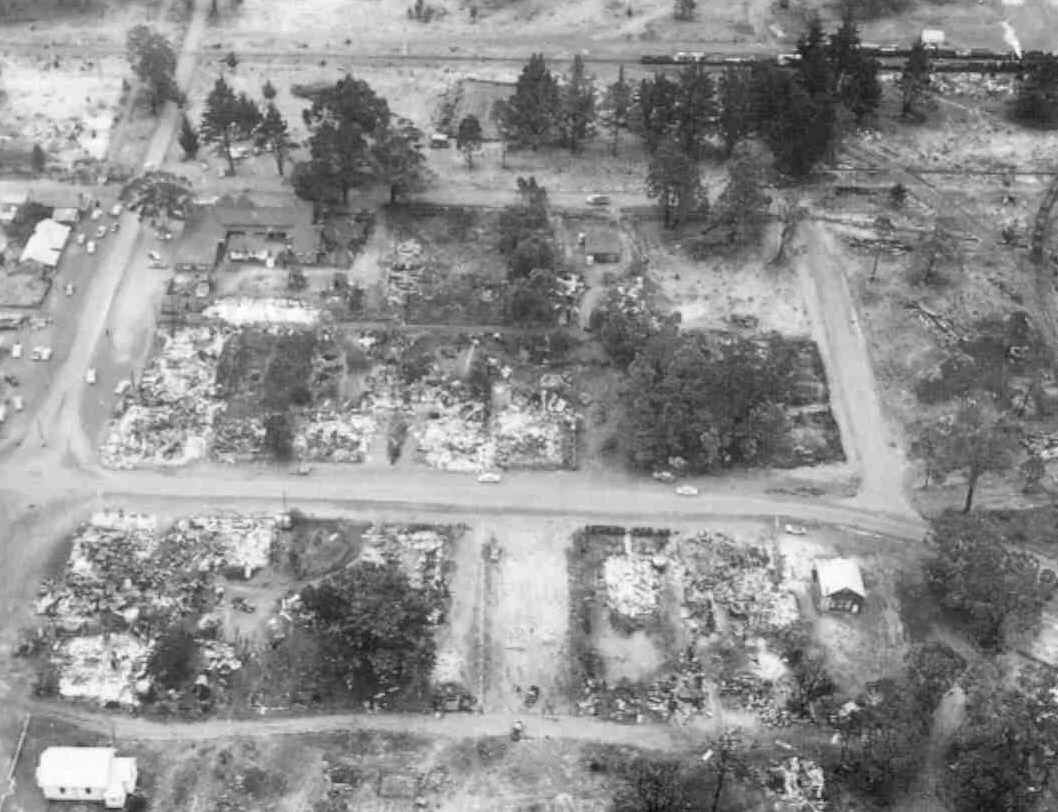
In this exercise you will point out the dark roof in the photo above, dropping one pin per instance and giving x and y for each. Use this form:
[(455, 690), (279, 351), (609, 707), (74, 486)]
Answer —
[(243, 212), (304, 239), (198, 244), (602, 241)]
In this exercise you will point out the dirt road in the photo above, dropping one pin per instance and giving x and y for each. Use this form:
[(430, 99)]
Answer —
[(853, 391)]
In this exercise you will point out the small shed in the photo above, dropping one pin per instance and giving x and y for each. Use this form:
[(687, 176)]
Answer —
[(66, 214), (603, 245), (838, 585), (86, 774), (10, 204)]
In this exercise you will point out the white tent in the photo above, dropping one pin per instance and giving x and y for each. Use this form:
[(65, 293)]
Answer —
[(86, 774), (47, 242)]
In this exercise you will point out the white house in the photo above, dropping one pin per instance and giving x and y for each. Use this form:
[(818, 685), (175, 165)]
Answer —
[(86, 774), (838, 585), (932, 37), (47, 243)]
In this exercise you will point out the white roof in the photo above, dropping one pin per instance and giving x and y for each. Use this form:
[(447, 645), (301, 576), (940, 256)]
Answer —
[(932, 36), (75, 766), (836, 574), (47, 242)]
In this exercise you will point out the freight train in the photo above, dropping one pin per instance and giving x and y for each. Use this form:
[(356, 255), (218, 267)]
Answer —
[(976, 60)]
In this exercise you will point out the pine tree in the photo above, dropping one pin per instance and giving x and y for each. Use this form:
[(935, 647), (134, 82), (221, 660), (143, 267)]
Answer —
[(735, 116), (531, 114), (576, 119), (914, 80), (268, 90), (399, 159), (617, 107), (273, 133), (656, 113), (814, 66), (673, 180), (695, 110), (220, 120), (468, 138), (188, 139)]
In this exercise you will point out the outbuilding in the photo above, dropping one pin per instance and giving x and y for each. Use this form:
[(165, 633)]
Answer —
[(86, 774), (837, 585), (47, 243), (932, 37), (603, 245)]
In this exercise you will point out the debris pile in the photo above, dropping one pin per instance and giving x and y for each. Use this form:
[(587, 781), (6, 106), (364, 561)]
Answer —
[(235, 439), (101, 668), (535, 437), (405, 269), (243, 311), (420, 551), (167, 419), (455, 439), (800, 783), (334, 436), (633, 586), (755, 694)]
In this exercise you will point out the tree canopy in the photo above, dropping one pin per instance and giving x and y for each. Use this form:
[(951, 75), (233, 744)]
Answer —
[(673, 180), (469, 138), (398, 158), (222, 120), (153, 60), (997, 590), (530, 115), (377, 623), (274, 134), (576, 105), (914, 79), (617, 108), (1036, 102)]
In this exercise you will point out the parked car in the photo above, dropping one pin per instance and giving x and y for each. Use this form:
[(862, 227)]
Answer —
[(101, 232), (598, 200), (80, 238), (687, 490), (90, 375), (489, 478), (122, 387), (17, 403), (664, 476), (114, 228), (41, 353), (16, 351), (304, 469), (116, 209), (154, 256), (795, 529), (97, 213), (68, 290), (439, 141), (90, 248)]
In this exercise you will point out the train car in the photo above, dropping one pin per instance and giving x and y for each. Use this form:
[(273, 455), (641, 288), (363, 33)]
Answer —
[(655, 59), (870, 49), (943, 53), (682, 57), (788, 59)]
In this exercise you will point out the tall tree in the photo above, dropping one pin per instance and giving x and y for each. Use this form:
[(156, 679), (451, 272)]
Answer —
[(797, 127), (973, 439), (153, 60), (673, 180), (655, 114), (1036, 102), (576, 119), (855, 75), (531, 114), (316, 183), (469, 138), (268, 90), (221, 120), (38, 158), (735, 116), (248, 116), (273, 133), (695, 110), (343, 121), (915, 78), (743, 205), (814, 66), (398, 156), (616, 108), (188, 139), (158, 194)]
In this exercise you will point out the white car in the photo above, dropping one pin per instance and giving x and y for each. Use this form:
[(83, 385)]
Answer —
[(664, 476), (41, 353), (154, 256), (101, 232), (489, 478), (795, 529), (16, 403), (122, 387), (687, 490), (116, 209), (68, 290), (97, 213), (598, 200), (80, 238), (16, 351), (90, 248), (90, 375)]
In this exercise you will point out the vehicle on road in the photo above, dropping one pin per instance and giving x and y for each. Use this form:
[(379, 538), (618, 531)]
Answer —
[(81, 238), (154, 256), (114, 228), (90, 376), (489, 478), (101, 232), (795, 529), (598, 200), (122, 387), (116, 209), (41, 353), (17, 403), (68, 290), (97, 213), (664, 476), (304, 469), (16, 351), (90, 248), (687, 490)]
